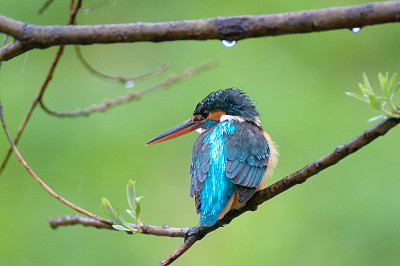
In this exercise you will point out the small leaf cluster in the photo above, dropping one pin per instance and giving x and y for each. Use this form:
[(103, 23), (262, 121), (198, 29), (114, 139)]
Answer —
[(383, 103), (134, 211)]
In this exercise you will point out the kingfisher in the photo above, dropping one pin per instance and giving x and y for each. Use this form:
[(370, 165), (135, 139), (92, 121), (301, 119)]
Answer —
[(232, 156)]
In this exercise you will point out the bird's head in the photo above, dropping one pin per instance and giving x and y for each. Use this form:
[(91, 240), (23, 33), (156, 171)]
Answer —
[(217, 107)]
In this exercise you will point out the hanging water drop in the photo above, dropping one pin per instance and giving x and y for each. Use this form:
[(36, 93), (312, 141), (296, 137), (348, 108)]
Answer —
[(356, 29), (228, 44), (86, 11), (129, 84)]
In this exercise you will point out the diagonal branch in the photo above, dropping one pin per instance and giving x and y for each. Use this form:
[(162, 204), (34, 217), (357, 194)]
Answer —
[(197, 233), (229, 28), (40, 181), (44, 86)]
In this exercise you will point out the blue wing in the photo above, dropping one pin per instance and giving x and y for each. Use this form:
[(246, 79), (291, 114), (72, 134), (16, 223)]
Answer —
[(247, 154), (247, 159), (199, 168)]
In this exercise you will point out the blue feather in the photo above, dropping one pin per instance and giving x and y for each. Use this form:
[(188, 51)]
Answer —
[(217, 187)]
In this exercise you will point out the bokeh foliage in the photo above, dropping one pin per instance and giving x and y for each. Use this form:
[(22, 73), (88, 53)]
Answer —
[(348, 214)]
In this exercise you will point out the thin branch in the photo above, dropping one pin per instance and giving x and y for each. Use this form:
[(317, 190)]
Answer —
[(188, 243), (96, 5), (14, 49), (222, 28), (4, 43), (43, 87), (122, 79), (33, 105), (196, 233), (145, 229), (128, 97), (41, 183), (44, 6)]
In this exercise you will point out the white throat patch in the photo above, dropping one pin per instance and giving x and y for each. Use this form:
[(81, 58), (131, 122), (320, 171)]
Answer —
[(231, 117)]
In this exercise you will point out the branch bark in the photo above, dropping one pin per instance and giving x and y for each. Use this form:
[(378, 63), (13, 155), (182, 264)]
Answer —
[(28, 36), (145, 229)]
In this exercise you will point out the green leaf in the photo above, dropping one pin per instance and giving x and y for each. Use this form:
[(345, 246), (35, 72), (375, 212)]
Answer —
[(137, 211), (372, 119), (362, 89), (106, 207), (120, 218), (374, 102), (131, 194), (120, 227), (357, 96), (367, 86), (131, 213), (384, 82), (392, 87)]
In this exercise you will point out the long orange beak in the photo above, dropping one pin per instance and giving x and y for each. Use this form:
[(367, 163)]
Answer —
[(179, 130)]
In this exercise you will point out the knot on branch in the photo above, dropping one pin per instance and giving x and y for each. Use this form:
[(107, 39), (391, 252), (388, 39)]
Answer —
[(231, 27)]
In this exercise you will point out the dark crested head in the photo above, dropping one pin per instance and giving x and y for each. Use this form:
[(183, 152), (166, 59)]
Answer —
[(214, 109), (232, 101)]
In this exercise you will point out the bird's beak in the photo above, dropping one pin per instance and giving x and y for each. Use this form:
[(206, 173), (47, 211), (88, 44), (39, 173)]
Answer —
[(179, 130)]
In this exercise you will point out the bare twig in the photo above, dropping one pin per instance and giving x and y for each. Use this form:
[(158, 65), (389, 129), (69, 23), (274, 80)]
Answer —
[(122, 79), (41, 183), (33, 105), (96, 5), (222, 28), (128, 97), (44, 6), (45, 83), (193, 234)]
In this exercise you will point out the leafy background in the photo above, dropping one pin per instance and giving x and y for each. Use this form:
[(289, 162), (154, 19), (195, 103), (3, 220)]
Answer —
[(348, 214)]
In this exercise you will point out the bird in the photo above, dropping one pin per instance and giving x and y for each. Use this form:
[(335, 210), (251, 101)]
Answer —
[(232, 156)]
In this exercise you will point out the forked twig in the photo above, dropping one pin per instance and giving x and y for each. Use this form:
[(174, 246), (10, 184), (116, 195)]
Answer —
[(128, 97), (43, 87), (122, 79)]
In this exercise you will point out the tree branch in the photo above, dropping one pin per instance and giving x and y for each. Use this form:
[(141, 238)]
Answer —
[(119, 78), (40, 181), (193, 234), (44, 86), (145, 229), (130, 96), (229, 28)]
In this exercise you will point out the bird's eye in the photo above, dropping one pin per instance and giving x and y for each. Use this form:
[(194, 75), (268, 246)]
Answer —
[(200, 117)]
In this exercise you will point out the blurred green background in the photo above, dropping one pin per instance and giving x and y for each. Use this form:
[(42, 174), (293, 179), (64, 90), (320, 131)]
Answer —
[(346, 215)]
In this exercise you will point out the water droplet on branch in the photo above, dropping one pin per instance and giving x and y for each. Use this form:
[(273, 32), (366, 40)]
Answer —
[(356, 29), (228, 44), (129, 84)]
